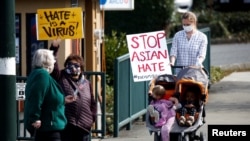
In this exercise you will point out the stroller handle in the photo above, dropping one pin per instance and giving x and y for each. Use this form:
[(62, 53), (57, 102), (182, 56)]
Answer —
[(182, 67)]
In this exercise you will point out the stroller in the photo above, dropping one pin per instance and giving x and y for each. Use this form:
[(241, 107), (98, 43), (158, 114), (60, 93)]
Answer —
[(187, 77)]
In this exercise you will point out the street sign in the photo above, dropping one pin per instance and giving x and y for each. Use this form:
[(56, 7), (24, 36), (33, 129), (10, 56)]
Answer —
[(20, 91), (116, 5)]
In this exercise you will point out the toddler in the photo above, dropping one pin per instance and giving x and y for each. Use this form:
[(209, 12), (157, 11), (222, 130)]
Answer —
[(162, 111), (189, 107)]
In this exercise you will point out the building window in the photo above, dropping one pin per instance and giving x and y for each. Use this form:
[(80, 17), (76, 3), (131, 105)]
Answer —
[(32, 43)]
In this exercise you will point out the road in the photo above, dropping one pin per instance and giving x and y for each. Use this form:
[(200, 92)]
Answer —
[(227, 54)]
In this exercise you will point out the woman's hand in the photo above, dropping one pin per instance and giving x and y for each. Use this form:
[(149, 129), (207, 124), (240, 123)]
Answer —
[(69, 99), (37, 124), (56, 42), (172, 61), (171, 64)]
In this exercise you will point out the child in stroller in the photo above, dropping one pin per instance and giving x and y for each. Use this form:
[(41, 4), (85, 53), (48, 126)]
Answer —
[(190, 105), (161, 110), (191, 79)]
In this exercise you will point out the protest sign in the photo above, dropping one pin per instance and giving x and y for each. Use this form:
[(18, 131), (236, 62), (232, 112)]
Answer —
[(63, 23), (148, 55)]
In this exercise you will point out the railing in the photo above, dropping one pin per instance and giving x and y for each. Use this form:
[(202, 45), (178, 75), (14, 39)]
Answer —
[(130, 98), (96, 78)]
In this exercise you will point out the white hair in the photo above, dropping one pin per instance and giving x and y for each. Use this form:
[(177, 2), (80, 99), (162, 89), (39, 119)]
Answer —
[(43, 58)]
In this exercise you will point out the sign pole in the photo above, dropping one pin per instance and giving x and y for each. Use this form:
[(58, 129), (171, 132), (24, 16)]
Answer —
[(8, 120)]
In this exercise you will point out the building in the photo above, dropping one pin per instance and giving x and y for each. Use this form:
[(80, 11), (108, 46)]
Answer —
[(89, 46), (26, 43)]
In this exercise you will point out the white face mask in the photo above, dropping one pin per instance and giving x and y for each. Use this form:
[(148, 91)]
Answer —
[(187, 28)]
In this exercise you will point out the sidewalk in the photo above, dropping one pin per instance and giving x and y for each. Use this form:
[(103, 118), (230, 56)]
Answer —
[(138, 132), (225, 106)]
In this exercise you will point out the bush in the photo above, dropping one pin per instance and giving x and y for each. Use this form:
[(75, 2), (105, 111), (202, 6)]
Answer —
[(228, 25), (109, 109), (115, 46)]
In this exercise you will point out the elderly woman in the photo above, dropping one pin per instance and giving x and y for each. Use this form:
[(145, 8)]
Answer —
[(44, 105), (82, 113)]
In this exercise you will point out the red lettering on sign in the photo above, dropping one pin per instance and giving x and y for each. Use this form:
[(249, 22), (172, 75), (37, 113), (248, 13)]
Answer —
[(149, 55), (159, 66), (151, 41)]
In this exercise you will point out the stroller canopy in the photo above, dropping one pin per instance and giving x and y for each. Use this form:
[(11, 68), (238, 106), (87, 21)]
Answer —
[(194, 73)]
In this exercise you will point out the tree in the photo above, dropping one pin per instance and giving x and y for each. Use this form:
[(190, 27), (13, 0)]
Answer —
[(148, 15), (115, 46)]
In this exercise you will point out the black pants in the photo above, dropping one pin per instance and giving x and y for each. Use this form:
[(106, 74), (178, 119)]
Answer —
[(74, 133), (190, 111), (48, 136)]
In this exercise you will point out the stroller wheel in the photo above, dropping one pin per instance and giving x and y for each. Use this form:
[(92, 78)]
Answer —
[(186, 137), (180, 137), (202, 137), (157, 137), (183, 138)]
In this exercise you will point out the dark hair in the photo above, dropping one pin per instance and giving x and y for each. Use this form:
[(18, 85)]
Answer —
[(195, 89), (77, 58)]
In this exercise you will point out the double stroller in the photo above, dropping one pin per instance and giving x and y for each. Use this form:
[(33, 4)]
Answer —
[(177, 85)]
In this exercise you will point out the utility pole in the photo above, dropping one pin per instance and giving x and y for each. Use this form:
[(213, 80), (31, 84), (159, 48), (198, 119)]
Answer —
[(8, 123)]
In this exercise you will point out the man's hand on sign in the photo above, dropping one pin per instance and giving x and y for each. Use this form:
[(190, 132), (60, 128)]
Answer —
[(56, 42)]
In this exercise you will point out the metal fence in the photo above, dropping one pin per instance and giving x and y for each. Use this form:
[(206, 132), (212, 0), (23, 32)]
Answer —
[(130, 98), (98, 130)]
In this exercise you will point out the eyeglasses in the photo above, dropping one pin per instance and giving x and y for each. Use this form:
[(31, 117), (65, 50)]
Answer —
[(186, 24), (76, 65)]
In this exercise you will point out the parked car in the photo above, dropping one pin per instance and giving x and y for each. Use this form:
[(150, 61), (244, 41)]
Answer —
[(183, 6)]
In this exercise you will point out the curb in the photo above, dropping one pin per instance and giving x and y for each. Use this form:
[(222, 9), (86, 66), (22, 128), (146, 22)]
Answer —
[(236, 67)]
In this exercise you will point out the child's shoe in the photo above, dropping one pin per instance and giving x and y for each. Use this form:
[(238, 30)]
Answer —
[(182, 121), (151, 110), (154, 115), (190, 121)]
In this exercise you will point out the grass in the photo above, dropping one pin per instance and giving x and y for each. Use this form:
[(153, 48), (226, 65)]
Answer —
[(218, 73)]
